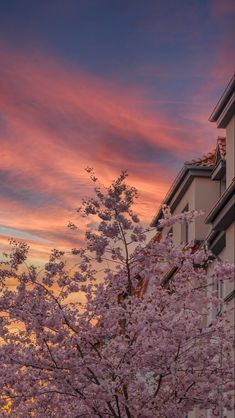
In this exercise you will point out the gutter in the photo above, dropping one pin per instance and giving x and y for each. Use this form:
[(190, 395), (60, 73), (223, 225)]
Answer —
[(226, 96)]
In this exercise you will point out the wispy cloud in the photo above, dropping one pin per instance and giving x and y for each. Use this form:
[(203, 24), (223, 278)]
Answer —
[(54, 121)]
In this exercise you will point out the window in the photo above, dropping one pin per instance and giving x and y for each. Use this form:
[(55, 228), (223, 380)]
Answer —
[(221, 413), (218, 289), (185, 228)]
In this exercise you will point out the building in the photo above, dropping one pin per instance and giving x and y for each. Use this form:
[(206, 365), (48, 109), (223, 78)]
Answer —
[(208, 183)]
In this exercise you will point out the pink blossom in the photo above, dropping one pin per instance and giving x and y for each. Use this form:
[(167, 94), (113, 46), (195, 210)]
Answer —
[(131, 344)]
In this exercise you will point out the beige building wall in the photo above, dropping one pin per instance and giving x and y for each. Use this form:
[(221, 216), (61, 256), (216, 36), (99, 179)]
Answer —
[(196, 413), (189, 196), (228, 254), (230, 243), (201, 194), (187, 199), (230, 151), (207, 192)]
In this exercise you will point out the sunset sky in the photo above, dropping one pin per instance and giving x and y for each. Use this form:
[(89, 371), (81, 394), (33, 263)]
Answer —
[(112, 84)]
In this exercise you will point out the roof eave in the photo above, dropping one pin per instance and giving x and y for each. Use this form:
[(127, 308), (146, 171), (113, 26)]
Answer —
[(224, 198), (227, 113), (170, 193), (222, 103), (219, 171)]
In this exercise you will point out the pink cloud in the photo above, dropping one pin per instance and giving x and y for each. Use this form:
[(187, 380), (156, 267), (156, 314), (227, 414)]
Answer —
[(221, 8), (55, 121)]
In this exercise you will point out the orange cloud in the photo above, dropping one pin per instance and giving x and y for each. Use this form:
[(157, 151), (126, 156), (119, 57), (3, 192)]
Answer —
[(53, 122)]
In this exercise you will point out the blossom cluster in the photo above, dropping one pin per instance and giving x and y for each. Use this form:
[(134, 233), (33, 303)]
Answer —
[(117, 340)]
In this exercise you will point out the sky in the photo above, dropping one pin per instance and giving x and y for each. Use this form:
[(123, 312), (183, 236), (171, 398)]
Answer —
[(112, 84)]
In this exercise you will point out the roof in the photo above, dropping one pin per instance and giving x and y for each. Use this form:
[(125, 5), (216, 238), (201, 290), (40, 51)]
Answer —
[(212, 157), (225, 107), (207, 160), (201, 167)]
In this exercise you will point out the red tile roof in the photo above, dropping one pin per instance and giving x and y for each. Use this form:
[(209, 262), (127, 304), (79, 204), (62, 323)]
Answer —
[(210, 159)]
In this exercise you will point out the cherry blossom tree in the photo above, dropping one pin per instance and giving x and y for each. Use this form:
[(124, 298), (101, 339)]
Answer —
[(110, 337)]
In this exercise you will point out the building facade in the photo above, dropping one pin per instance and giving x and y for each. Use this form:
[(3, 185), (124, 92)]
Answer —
[(208, 183)]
